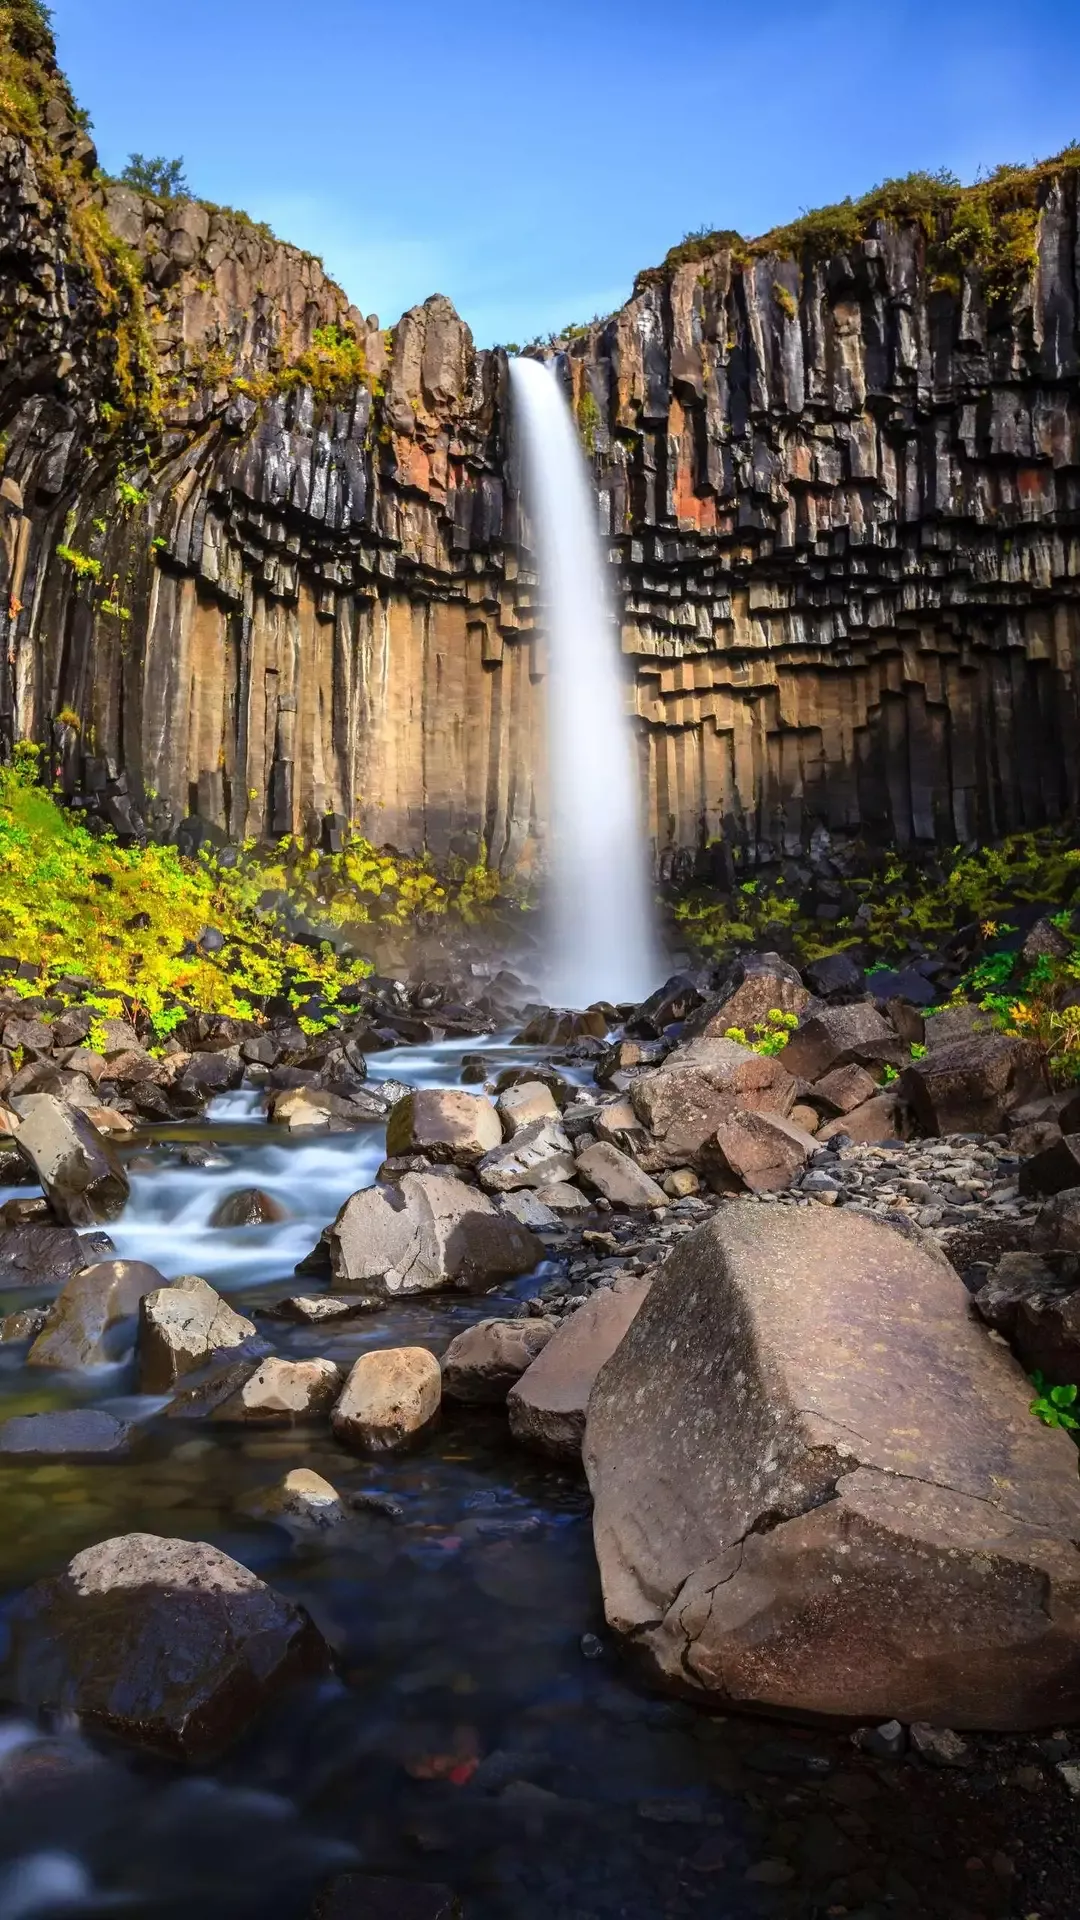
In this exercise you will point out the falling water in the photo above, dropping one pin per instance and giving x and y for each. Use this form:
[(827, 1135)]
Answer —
[(601, 936)]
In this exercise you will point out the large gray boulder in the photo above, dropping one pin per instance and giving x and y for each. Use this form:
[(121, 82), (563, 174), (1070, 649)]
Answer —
[(754, 985), (79, 1172), (429, 1231), (169, 1643), (818, 1487), (180, 1327), (840, 1035), (86, 1319)]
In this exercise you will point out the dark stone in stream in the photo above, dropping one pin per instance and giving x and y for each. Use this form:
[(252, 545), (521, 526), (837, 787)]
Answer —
[(25, 1325), (248, 1207), (226, 1378), (168, 1643), (365, 1896), (85, 1327), (80, 1434)]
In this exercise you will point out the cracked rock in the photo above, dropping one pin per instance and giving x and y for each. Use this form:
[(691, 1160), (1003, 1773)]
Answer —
[(818, 1487)]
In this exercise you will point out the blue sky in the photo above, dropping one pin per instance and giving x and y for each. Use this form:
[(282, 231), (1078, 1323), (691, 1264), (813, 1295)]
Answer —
[(527, 161)]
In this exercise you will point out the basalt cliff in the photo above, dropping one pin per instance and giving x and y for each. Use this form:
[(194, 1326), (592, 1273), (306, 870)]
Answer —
[(266, 567)]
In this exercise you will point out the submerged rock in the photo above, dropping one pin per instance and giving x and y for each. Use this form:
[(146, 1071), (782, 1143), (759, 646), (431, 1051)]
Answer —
[(248, 1207), (304, 1503), (818, 1487), (168, 1643), (279, 1392), (81, 1434)]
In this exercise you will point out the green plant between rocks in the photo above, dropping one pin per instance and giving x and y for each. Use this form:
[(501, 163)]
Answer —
[(1054, 1405)]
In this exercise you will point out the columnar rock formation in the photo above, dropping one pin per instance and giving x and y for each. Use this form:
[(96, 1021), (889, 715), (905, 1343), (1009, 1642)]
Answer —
[(265, 562)]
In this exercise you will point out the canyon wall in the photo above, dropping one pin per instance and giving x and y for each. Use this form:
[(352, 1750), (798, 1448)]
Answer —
[(266, 565)]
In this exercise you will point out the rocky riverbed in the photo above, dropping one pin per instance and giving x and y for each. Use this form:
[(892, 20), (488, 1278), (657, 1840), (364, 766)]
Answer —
[(431, 1694)]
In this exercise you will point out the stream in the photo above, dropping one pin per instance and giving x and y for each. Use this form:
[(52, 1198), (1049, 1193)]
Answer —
[(481, 1730)]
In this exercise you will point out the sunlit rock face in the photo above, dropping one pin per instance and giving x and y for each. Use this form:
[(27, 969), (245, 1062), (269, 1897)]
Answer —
[(841, 499)]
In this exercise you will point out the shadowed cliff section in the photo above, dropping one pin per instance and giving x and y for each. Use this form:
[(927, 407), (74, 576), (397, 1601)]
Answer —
[(262, 558)]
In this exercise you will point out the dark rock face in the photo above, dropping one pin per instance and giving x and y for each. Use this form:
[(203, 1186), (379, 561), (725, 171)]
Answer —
[(168, 1643), (841, 494)]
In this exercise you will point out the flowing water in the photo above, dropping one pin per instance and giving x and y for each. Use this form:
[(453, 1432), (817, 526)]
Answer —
[(601, 928), (480, 1730)]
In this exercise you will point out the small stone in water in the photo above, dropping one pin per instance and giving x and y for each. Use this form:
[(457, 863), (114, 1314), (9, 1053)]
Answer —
[(886, 1742), (592, 1646)]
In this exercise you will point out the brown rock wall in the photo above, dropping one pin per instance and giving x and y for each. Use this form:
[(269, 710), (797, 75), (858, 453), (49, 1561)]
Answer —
[(844, 505)]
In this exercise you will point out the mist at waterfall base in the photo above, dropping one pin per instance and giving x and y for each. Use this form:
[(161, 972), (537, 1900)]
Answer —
[(600, 937)]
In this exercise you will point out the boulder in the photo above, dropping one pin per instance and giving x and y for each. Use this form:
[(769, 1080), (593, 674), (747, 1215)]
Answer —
[(1057, 1225), (280, 1392), (548, 1404), (180, 1327), (563, 1198), (1056, 1169), (46, 1256), (80, 1434), (79, 1173), (1037, 1310), (818, 1488), (903, 985), (560, 1089), (836, 976), (617, 1121), (530, 1208), (839, 1035), (520, 1106), (843, 1089), (760, 1151), (699, 1086), (754, 985), (955, 1023), (304, 1108), (970, 1086), (444, 1125), (169, 1643), (481, 1365), (557, 1026), (248, 1207), (681, 1184), (391, 1397), (617, 1178), (315, 1309), (665, 1007), (85, 1326), (25, 1325), (427, 1232), (537, 1155), (877, 1119)]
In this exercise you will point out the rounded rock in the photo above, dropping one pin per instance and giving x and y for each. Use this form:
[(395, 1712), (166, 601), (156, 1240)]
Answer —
[(390, 1398)]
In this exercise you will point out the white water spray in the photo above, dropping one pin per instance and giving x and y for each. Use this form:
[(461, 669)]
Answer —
[(602, 942)]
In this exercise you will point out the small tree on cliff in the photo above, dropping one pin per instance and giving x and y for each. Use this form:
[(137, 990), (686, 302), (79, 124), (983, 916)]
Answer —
[(163, 178)]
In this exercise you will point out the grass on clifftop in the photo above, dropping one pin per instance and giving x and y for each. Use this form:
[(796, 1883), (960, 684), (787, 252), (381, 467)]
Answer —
[(130, 919), (990, 226)]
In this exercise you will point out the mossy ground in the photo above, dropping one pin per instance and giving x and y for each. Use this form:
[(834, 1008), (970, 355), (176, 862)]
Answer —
[(130, 919)]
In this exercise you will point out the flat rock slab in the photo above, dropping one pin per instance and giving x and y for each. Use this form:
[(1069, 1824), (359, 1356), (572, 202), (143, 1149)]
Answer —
[(547, 1407), (82, 1434), (46, 1256), (818, 1487), (168, 1643)]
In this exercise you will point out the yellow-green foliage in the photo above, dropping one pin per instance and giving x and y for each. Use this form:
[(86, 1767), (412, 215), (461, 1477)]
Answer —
[(588, 419), (71, 903), (990, 226), (770, 1035), (785, 299), (897, 903)]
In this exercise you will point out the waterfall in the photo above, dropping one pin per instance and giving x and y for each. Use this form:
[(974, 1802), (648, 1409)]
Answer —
[(601, 941)]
